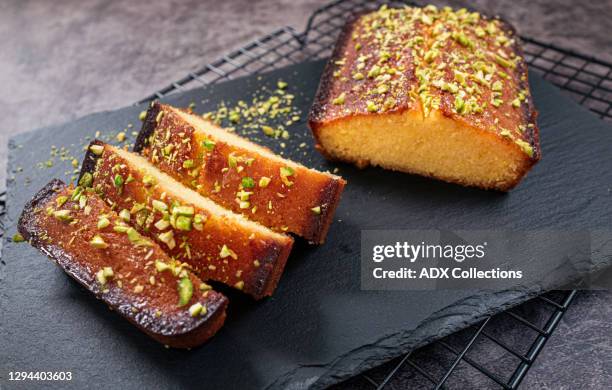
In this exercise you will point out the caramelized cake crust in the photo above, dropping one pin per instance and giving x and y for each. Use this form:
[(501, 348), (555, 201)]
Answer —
[(130, 273), (431, 91), (240, 175), (219, 244)]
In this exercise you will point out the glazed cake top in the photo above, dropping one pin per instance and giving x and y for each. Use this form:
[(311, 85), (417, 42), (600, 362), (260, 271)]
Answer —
[(463, 64)]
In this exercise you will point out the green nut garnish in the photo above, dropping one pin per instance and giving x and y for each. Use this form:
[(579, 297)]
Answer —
[(160, 266), (142, 116), (183, 210), (196, 309), (264, 181), (125, 215), (97, 149), (18, 238), (185, 291), (183, 223), (133, 235), (148, 180), (104, 274), (159, 205), (285, 172), (188, 164), (98, 242), (86, 180), (103, 222), (63, 215), (339, 100), (208, 144), (61, 200), (248, 182), (316, 210), (267, 130), (227, 252), (118, 181)]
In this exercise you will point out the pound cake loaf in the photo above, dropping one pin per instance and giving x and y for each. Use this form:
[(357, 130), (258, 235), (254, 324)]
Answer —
[(239, 174), (429, 91), (218, 244), (127, 271)]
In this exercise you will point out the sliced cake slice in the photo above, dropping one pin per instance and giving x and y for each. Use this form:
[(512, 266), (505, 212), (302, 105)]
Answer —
[(130, 273), (218, 244), (239, 174)]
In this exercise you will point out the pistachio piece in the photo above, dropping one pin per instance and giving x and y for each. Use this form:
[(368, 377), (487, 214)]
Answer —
[(185, 291), (125, 215), (196, 309), (98, 242), (103, 222), (97, 149), (248, 182), (264, 181)]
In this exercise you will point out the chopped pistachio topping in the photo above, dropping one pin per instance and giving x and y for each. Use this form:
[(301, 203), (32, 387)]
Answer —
[(285, 173), (185, 291), (133, 235), (168, 239), (239, 285), (183, 210), (160, 266), (316, 210), (208, 144), (148, 180), (98, 242), (103, 222), (183, 223), (162, 224), (267, 130), (227, 252), (188, 164), (17, 237), (159, 205), (195, 309), (339, 100), (125, 215), (142, 116), (118, 181), (264, 181), (60, 200), (205, 287), (104, 274), (248, 182), (63, 215), (97, 149), (525, 146), (86, 180), (159, 116)]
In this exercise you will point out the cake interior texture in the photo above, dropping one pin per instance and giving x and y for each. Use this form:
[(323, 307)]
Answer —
[(435, 146)]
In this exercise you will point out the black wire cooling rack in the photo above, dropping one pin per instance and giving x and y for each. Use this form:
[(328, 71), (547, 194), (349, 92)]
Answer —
[(498, 351)]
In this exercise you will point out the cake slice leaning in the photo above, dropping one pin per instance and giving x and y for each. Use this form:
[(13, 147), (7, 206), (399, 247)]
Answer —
[(130, 273), (239, 174), (218, 244), (430, 91)]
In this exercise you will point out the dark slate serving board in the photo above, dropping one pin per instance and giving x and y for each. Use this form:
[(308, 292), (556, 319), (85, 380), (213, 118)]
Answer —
[(318, 328)]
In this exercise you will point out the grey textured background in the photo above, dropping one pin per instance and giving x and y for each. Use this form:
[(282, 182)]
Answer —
[(66, 58)]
